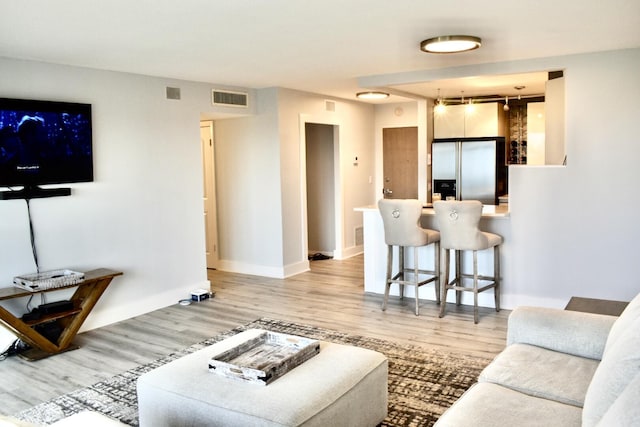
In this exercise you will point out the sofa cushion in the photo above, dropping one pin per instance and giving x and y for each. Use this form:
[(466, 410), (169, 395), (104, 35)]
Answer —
[(573, 332), (542, 373), (625, 411), (491, 405), (627, 317), (619, 366)]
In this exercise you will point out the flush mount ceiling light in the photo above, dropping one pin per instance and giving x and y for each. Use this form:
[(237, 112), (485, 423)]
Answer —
[(372, 95), (450, 44)]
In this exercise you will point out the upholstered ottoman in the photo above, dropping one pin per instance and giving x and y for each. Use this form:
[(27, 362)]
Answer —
[(340, 386)]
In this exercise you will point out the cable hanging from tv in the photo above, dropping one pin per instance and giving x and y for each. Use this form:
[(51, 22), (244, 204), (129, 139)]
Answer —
[(32, 238)]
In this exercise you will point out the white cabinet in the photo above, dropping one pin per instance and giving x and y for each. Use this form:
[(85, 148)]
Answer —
[(469, 121), (535, 133), (448, 122)]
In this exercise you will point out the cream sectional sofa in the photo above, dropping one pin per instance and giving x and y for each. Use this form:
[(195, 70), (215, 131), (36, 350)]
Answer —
[(560, 368)]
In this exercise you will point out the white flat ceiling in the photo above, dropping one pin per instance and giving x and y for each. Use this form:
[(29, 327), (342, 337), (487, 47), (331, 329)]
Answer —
[(321, 46)]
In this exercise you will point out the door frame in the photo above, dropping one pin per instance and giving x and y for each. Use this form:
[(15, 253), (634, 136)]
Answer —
[(303, 119), (211, 219), (327, 169)]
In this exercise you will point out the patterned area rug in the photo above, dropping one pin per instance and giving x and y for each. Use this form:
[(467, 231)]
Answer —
[(422, 382)]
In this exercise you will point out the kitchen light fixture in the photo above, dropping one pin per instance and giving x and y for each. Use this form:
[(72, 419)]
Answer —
[(439, 107), (470, 108), (450, 44), (372, 95), (506, 103), (519, 88)]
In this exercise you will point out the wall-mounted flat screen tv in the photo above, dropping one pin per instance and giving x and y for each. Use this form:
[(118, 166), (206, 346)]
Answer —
[(44, 142)]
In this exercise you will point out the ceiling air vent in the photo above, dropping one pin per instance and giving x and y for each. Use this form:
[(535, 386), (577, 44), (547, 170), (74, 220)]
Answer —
[(230, 99)]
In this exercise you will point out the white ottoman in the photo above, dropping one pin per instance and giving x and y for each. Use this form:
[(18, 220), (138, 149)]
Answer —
[(341, 386)]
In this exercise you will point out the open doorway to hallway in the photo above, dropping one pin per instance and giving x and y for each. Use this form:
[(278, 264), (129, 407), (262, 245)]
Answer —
[(320, 170)]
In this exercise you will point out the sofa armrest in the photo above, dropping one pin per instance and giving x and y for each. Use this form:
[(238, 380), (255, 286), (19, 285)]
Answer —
[(571, 332)]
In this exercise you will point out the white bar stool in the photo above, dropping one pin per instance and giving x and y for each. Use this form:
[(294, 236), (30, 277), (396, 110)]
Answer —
[(401, 218), (459, 228)]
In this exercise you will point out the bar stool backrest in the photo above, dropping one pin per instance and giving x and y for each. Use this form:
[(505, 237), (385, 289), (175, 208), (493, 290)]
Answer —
[(459, 222), (401, 218)]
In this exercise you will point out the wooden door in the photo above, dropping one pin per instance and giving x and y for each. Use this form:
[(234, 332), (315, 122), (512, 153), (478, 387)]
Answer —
[(400, 162), (209, 196)]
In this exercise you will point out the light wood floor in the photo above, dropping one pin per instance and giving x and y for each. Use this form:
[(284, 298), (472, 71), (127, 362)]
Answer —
[(330, 296)]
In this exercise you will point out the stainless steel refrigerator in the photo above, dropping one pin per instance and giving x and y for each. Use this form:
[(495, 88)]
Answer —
[(470, 168)]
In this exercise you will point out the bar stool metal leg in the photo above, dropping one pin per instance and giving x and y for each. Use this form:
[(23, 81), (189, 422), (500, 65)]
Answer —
[(387, 284), (458, 275), (496, 274), (415, 275), (436, 264), (475, 287), (445, 259), (401, 270)]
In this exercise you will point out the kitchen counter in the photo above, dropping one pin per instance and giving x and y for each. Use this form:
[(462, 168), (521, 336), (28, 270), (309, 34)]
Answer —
[(495, 219), (488, 211)]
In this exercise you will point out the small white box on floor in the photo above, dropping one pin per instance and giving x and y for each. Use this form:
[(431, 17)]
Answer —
[(199, 295)]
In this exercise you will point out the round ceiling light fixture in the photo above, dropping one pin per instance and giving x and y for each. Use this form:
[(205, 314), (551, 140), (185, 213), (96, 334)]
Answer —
[(450, 44), (372, 95)]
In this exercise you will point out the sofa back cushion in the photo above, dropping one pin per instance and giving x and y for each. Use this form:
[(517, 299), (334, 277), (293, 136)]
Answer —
[(625, 411), (619, 366), (627, 317)]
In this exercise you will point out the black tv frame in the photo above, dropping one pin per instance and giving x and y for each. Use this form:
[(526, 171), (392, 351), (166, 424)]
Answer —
[(32, 190)]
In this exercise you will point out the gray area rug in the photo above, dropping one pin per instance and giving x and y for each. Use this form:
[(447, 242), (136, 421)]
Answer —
[(422, 382)]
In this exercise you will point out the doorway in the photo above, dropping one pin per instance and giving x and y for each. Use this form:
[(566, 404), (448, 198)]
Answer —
[(320, 177), (400, 162), (209, 193)]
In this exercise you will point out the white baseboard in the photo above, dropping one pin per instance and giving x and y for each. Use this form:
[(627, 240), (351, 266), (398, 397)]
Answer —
[(265, 271), (485, 299), (351, 252)]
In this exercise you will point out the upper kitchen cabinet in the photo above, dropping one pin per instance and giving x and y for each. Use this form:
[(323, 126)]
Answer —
[(470, 121)]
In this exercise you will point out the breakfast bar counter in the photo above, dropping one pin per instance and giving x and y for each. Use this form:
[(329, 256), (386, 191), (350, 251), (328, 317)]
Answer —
[(495, 219)]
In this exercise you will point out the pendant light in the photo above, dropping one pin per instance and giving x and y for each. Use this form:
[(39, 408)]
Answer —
[(440, 107)]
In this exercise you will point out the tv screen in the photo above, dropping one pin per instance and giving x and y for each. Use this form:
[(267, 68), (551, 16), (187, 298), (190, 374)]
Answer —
[(44, 142)]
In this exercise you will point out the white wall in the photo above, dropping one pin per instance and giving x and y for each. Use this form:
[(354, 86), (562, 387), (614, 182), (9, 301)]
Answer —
[(396, 115), (355, 139), (142, 215), (261, 172), (575, 229), (248, 190)]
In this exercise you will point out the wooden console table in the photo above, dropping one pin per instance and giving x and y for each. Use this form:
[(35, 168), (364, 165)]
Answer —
[(85, 297)]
